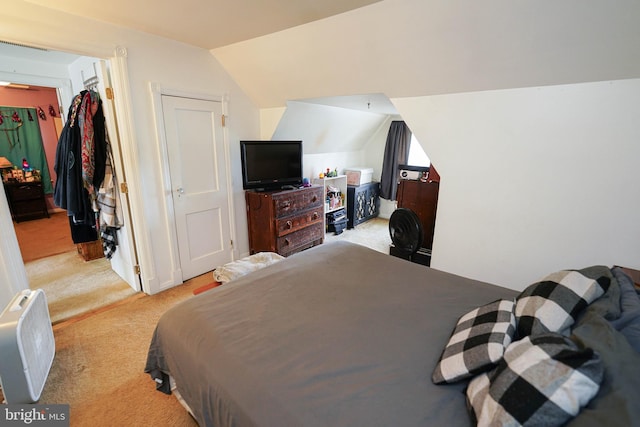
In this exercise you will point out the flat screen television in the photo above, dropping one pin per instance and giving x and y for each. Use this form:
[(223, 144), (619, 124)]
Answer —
[(271, 165)]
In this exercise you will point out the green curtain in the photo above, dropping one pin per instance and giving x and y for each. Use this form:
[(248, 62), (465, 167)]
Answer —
[(24, 141)]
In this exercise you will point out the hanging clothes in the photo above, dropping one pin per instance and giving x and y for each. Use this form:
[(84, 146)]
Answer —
[(110, 209), (80, 165)]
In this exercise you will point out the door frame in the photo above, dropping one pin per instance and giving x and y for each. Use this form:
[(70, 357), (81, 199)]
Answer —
[(129, 153), (157, 91), (122, 104)]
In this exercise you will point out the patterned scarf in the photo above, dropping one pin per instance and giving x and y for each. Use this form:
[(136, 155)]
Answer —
[(86, 112)]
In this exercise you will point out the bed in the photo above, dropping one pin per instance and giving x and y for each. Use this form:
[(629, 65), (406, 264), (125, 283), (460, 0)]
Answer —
[(341, 335)]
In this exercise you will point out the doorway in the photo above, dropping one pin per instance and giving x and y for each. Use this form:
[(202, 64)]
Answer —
[(63, 87)]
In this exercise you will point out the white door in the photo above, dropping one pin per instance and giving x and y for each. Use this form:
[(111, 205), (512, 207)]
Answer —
[(125, 257), (195, 148)]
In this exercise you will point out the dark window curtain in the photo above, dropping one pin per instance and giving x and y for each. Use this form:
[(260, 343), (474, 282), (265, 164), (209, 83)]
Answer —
[(18, 141), (396, 152)]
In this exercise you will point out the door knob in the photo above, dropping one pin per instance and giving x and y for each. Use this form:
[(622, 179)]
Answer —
[(180, 191)]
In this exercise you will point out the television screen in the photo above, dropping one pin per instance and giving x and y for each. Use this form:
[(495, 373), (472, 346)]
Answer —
[(271, 165)]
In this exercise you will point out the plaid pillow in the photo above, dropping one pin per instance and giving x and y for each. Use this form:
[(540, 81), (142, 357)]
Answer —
[(552, 304), (477, 342), (542, 380)]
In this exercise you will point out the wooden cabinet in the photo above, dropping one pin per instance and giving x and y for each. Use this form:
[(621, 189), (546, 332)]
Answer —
[(422, 198), (26, 200), (285, 222), (363, 203)]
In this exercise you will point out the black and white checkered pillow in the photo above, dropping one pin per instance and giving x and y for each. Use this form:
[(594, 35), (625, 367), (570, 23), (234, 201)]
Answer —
[(543, 380), (552, 304), (477, 342)]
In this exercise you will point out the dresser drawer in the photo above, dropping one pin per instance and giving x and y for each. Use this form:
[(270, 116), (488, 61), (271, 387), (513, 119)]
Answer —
[(25, 192), (26, 207), (301, 239), (296, 222), (290, 203)]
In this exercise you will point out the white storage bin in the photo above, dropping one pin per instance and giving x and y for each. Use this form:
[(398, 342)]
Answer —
[(359, 176)]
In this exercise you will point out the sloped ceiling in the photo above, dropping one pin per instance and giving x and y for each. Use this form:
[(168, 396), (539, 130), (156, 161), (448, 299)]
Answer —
[(327, 129), (205, 23), (406, 48)]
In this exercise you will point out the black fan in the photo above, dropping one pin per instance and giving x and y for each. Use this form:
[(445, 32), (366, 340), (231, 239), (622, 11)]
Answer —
[(405, 229)]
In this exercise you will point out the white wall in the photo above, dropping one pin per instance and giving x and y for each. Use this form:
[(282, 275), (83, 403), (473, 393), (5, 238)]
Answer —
[(13, 276), (533, 180), (269, 119)]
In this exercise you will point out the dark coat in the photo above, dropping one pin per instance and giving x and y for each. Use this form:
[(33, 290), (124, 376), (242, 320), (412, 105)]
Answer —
[(69, 192)]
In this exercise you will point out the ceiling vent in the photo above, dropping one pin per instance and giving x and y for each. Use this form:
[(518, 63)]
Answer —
[(22, 45)]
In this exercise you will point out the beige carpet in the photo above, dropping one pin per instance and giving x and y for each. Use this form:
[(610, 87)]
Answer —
[(373, 233), (99, 365), (74, 286)]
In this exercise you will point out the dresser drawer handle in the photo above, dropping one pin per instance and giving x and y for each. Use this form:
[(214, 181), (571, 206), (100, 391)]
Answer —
[(314, 215), (289, 224), (287, 242), (286, 204), (314, 199)]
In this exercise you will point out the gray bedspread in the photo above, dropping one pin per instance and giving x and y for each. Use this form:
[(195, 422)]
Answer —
[(616, 404), (338, 335), (341, 335)]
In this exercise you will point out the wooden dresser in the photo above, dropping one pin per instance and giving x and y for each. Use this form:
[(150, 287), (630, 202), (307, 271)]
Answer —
[(422, 198), (285, 222)]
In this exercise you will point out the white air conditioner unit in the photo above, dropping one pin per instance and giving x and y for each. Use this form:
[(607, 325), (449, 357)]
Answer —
[(27, 347)]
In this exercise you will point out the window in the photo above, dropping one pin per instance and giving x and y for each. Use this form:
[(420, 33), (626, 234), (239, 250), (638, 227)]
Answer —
[(417, 156)]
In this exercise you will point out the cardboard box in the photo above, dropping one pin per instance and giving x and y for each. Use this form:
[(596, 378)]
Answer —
[(359, 176)]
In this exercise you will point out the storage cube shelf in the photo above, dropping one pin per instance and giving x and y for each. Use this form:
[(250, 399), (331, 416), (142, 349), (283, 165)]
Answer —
[(339, 182)]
